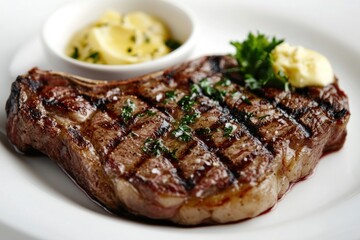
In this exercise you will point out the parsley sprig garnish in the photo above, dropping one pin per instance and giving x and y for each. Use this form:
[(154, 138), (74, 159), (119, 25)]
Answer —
[(255, 64)]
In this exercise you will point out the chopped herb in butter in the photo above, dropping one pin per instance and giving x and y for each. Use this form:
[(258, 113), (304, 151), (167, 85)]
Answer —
[(117, 38)]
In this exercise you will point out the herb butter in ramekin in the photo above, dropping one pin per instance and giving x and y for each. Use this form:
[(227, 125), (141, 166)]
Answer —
[(117, 38)]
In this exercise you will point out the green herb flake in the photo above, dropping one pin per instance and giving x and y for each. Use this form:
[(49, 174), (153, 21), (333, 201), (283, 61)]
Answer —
[(194, 90), (146, 38), (133, 38), (95, 56), (220, 94), (246, 100), (210, 91), (186, 103), (204, 83), (263, 117), (129, 50), (206, 87), (150, 113), (183, 133), (99, 25), (75, 54), (155, 147), (190, 118), (248, 115), (172, 44), (229, 129), (128, 110), (225, 82), (170, 95), (235, 94), (255, 63), (172, 153)]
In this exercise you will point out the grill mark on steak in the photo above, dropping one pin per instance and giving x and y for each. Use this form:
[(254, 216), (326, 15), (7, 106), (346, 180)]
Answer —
[(315, 114), (159, 174), (249, 108), (280, 133), (150, 94), (194, 160), (160, 91), (105, 132), (250, 114), (231, 166), (244, 116), (331, 98), (127, 156), (216, 176), (203, 69), (302, 109), (77, 137), (215, 62), (189, 182), (221, 144)]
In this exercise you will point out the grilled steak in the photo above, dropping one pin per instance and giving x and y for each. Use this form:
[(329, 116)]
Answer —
[(189, 144)]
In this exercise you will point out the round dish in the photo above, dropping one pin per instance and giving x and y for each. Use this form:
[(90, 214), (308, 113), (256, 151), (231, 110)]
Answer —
[(325, 206), (67, 20)]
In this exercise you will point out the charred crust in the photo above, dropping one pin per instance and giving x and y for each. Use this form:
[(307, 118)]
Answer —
[(77, 137), (340, 114), (12, 104), (35, 114), (33, 84), (214, 62)]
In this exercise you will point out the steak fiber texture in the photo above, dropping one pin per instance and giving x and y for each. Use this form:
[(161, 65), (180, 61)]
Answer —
[(189, 144)]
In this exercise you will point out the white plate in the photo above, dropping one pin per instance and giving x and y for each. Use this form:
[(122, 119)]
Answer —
[(38, 200)]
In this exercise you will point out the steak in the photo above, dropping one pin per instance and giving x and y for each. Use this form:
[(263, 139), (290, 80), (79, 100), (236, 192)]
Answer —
[(190, 144)]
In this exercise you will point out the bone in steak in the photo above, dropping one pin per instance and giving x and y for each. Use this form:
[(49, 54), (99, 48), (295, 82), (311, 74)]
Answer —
[(189, 144)]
